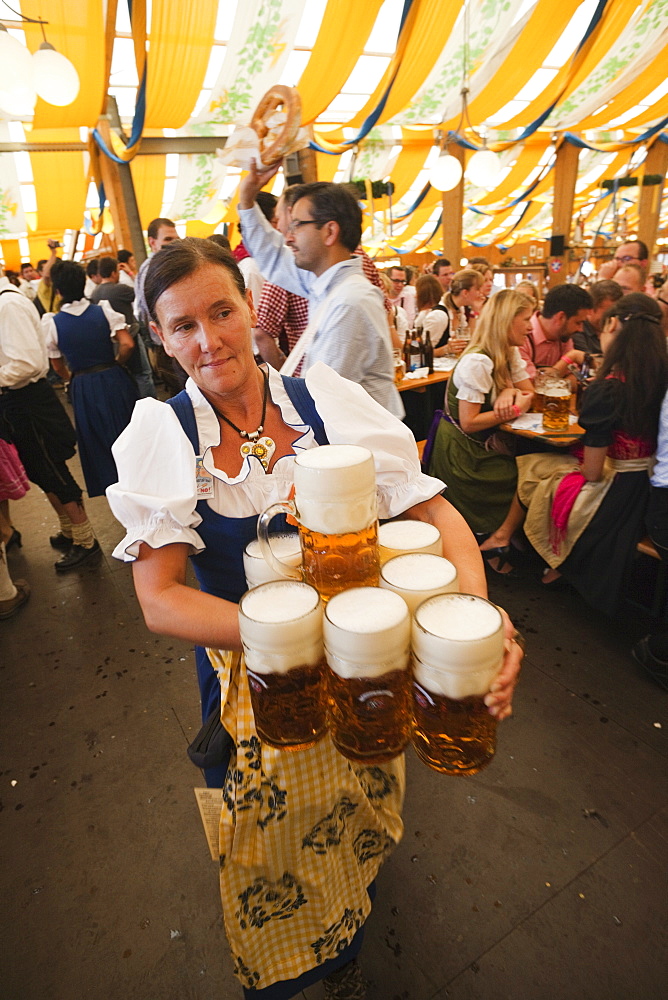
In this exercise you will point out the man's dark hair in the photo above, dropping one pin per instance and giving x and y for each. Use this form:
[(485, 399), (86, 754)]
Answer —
[(69, 279), (333, 203), (92, 267), (569, 299), (397, 267), (288, 194), (643, 252), (24, 266), (40, 265), (479, 260), (180, 259), (220, 240), (107, 266), (438, 264), (124, 256), (267, 202), (155, 225), (604, 290)]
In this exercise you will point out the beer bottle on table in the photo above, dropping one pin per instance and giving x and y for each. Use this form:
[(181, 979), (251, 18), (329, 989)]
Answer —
[(428, 353), (407, 351), (416, 350)]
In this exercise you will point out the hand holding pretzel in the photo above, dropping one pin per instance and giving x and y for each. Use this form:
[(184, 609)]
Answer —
[(276, 139)]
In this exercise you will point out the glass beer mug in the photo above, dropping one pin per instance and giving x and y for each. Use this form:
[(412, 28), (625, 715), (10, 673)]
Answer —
[(281, 633), (397, 538), (367, 637), (257, 570), (335, 508), (556, 405), (417, 576), (457, 651)]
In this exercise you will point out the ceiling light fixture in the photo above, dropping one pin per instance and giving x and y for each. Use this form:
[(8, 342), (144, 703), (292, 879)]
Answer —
[(484, 167), (23, 77)]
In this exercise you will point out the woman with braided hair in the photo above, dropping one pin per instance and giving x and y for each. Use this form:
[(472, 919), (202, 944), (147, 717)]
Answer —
[(583, 513)]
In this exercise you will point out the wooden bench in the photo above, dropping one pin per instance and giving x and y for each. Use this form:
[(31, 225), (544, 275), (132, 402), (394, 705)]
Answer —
[(646, 548)]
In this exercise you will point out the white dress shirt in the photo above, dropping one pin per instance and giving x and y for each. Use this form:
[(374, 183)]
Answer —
[(155, 497), (23, 357), (351, 336)]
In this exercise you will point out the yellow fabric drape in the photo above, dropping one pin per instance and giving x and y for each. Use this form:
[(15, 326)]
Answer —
[(148, 177), (194, 227), (324, 76), (11, 255), (409, 163), (77, 31), (60, 182), (181, 38), (570, 76), (546, 23), (641, 87), (423, 38), (527, 161)]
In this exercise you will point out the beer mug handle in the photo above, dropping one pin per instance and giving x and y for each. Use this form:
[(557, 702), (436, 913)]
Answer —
[(264, 520)]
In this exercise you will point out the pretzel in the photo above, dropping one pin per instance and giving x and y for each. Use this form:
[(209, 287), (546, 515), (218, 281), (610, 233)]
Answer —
[(287, 99)]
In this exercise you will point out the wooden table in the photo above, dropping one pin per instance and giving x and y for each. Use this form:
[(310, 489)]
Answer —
[(422, 383), (557, 439), (421, 397)]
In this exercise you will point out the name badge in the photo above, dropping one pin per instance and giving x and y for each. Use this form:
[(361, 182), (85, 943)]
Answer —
[(203, 479)]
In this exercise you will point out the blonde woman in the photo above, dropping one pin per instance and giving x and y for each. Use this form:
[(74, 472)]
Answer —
[(488, 386)]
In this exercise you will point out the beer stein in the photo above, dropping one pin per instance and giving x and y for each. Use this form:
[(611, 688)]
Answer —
[(398, 538), (556, 405), (457, 644), (257, 570), (281, 633), (367, 636), (335, 508), (417, 576)]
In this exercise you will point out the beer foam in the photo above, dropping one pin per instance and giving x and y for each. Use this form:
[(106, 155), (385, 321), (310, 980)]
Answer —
[(408, 535), (368, 631), (335, 489), (459, 617), (556, 393), (419, 571), (286, 547), (282, 601), (309, 652), (366, 609), (334, 456)]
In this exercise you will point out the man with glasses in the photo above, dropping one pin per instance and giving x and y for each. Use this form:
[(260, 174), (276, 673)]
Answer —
[(347, 327), (400, 294), (634, 252)]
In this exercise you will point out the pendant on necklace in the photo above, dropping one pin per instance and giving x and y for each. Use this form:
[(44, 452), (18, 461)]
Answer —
[(263, 448)]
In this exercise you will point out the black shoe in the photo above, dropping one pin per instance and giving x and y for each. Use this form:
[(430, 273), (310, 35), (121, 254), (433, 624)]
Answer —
[(657, 669), (11, 606), (76, 557), (14, 539), (61, 541)]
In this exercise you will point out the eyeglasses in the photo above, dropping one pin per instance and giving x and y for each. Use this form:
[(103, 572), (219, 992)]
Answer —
[(625, 259), (298, 223), (398, 281), (660, 298)]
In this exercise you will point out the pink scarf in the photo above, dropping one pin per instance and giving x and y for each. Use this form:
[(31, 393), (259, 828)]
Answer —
[(565, 496)]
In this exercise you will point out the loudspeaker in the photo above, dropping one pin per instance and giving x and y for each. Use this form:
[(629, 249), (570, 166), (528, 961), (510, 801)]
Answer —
[(557, 246)]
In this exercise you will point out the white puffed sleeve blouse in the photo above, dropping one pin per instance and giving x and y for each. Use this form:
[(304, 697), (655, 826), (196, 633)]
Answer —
[(473, 375), (155, 497)]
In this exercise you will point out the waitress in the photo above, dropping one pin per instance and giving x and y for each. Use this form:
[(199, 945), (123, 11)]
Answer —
[(295, 896)]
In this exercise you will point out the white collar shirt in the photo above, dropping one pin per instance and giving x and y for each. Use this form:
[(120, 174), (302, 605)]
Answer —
[(23, 357)]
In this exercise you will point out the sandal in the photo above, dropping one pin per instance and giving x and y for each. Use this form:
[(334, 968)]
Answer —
[(501, 553)]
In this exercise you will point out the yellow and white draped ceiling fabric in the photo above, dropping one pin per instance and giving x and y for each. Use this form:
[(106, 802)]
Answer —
[(380, 83)]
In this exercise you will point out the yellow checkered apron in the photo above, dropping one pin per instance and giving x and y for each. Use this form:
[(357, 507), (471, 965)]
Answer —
[(302, 835)]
